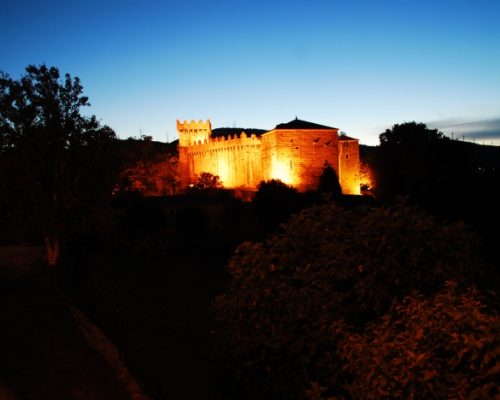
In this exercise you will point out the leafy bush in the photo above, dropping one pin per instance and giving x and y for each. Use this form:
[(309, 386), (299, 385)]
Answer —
[(329, 182), (144, 216), (443, 347), (280, 316), (206, 180), (157, 176), (274, 202), (192, 221)]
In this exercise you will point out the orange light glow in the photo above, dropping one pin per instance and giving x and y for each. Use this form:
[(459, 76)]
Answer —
[(281, 171), (367, 179), (223, 171), (352, 188), (293, 153)]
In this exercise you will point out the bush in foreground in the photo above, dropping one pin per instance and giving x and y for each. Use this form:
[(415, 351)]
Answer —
[(282, 316), (443, 347)]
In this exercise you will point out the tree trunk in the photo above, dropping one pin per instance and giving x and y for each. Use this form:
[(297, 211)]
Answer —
[(52, 249)]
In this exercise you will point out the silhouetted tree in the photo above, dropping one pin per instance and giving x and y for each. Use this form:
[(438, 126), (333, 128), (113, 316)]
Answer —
[(329, 182), (410, 133), (288, 297), (233, 213), (206, 180), (156, 177), (192, 222), (412, 161), (435, 172), (274, 202), (143, 217), (450, 179), (368, 156), (48, 150)]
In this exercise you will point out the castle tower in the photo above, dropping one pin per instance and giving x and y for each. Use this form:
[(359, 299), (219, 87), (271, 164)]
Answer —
[(190, 133), (294, 152), (193, 132), (349, 165)]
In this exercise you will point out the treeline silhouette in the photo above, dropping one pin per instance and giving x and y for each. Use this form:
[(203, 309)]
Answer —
[(306, 304), (451, 179)]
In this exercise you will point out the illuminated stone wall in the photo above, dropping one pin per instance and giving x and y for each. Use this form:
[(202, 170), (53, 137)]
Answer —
[(294, 156), (236, 160), (193, 132), (189, 134), (297, 157), (349, 166)]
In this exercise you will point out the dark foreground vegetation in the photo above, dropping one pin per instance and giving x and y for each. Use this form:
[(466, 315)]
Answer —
[(44, 355), (208, 296)]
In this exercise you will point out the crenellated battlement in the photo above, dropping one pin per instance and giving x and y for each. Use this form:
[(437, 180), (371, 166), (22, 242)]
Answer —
[(227, 141), (294, 152), (193, 132)]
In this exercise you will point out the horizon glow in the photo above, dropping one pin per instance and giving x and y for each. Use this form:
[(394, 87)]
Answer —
[(361, 67)]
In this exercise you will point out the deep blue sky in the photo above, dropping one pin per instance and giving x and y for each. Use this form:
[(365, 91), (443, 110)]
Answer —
[(360, 66)]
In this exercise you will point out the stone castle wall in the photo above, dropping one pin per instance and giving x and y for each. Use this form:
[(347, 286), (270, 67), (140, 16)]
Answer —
[(349, 171), (293, 156), (236, 160), (297, 157), (193, 132)]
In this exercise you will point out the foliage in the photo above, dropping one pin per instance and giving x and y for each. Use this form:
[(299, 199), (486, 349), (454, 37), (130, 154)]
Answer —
[(48, 146), (446, 346), (410, 133), (329, 182), (367, 180), (192, 222), (206, 180), (450, 179), (148, 168), (143, 217), (274, 202), (151, 177), (419, 162), (279, 318), (234, 210)]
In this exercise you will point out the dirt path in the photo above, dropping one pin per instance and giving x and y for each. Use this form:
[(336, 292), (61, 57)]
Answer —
[(111, 354), (48, 349)]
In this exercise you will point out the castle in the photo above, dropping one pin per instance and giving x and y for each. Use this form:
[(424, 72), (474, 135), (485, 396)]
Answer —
[(294, 152)]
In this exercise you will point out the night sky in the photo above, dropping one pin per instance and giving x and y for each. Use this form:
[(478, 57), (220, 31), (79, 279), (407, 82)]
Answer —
[(360, 66)]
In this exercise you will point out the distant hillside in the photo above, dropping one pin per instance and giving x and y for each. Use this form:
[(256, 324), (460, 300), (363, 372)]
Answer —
[(140, 146), (224, 132), (482, 156), (475, 155)]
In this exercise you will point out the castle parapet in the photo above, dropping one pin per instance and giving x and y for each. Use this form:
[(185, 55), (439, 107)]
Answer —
[(193, 132), (294, 152), (221, 142)]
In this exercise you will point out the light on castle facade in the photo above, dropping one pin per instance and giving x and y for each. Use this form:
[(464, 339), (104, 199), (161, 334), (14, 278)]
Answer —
[(293, 152)]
